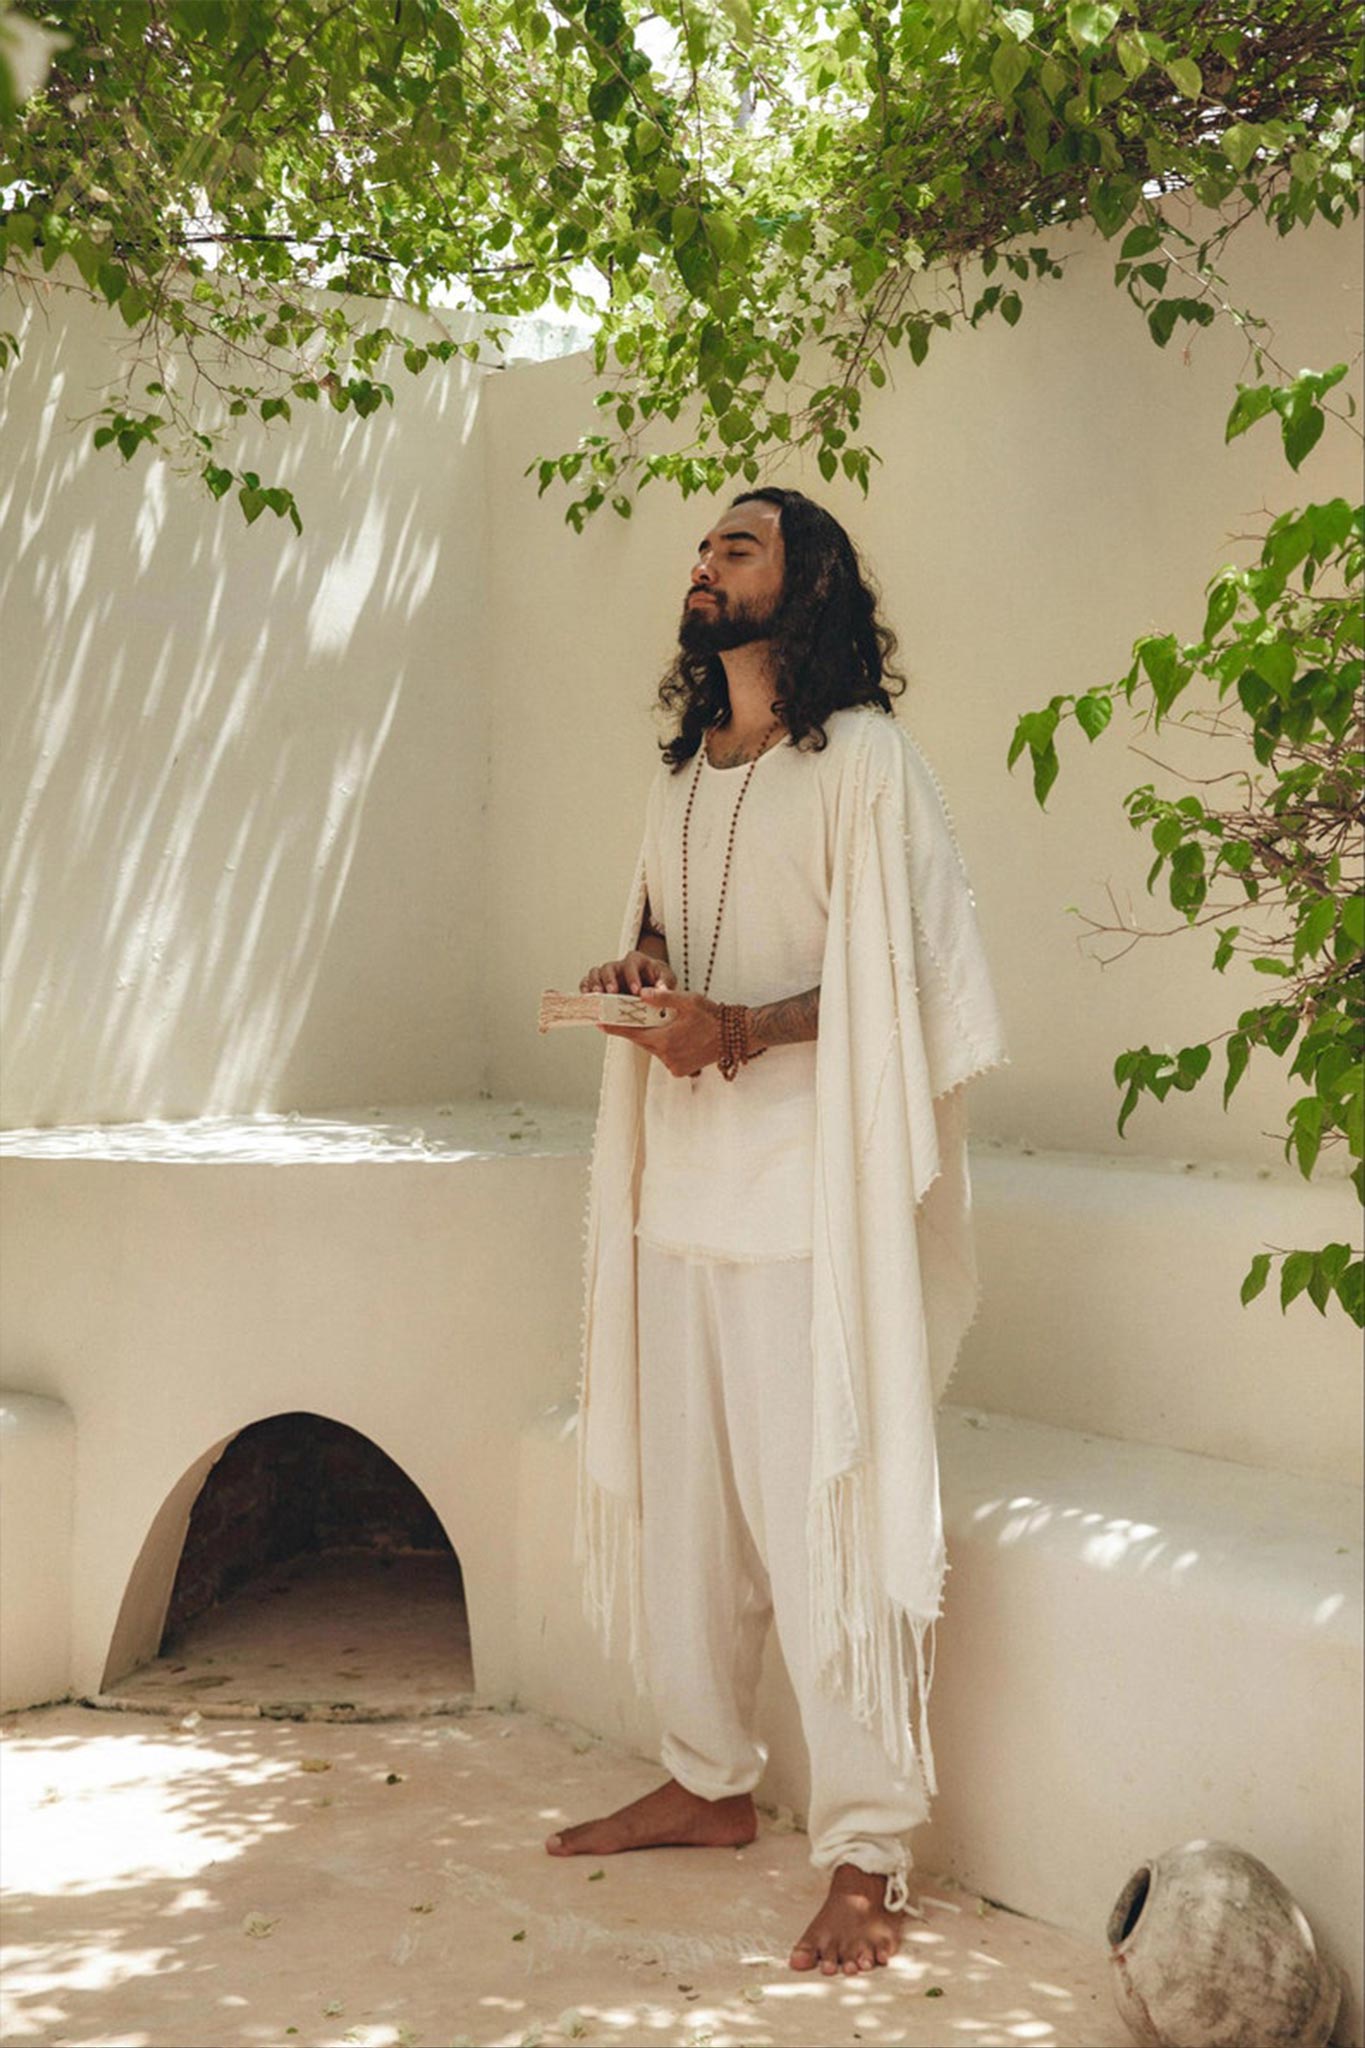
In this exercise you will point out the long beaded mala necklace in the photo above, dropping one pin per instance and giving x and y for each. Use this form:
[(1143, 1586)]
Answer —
[(734, 1017)]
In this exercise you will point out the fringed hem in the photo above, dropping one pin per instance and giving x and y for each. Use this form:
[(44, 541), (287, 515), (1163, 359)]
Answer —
[(607, 1551), (860, 1636)]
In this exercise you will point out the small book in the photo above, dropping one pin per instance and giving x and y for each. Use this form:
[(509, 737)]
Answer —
[(596, 1007)]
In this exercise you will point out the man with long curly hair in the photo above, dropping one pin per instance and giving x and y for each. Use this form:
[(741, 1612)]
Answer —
[(779, 1271)]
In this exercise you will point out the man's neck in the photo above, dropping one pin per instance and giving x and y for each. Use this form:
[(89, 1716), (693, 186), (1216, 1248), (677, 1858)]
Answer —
[(752, 682)]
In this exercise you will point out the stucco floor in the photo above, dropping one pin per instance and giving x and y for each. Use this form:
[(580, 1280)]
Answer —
[(266, 1883)]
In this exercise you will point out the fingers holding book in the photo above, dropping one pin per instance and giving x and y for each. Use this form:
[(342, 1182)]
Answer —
[(628, 976), (638, 994), (688, 1036)]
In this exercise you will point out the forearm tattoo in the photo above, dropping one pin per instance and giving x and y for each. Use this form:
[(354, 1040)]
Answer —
[(792, 1021)]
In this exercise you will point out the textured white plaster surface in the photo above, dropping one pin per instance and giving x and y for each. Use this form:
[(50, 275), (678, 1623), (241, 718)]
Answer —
[(37, 1497)]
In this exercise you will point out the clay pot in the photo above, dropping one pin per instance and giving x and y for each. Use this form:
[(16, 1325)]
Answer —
[(1210, 1951)]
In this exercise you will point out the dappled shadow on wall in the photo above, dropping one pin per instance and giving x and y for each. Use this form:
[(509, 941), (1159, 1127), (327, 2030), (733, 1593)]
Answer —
[(239, 763)]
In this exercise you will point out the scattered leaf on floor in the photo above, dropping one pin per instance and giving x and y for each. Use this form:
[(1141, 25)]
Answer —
[(422, 1906), (753, 1993), (394, 1778), (934, 1991), (593, 1875), (332, 2008), (520, 1934), (259, 1925), (315, 1763), (571, 2024)]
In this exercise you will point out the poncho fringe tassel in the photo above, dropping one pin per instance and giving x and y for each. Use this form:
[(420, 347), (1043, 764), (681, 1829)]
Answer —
[(859, 1635)]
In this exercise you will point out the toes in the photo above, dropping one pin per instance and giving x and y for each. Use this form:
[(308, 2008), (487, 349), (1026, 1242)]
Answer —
[(866, 1960), (885, 1950), (803, 1956), (555, 1844)]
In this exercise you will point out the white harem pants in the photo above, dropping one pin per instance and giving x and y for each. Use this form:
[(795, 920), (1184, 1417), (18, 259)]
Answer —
[(725, 1447)]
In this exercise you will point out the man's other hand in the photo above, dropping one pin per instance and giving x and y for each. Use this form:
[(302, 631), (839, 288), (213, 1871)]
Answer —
[(629, 976), (688, 1042)]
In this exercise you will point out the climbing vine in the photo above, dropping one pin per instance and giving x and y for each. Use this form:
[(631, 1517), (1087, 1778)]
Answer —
[(762, 203)]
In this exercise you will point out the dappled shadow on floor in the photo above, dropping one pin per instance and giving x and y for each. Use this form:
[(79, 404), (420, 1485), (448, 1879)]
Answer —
[(261, 1883)]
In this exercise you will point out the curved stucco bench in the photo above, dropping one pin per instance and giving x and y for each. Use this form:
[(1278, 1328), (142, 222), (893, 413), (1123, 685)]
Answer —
[(37, 1493), (1139, 1646)]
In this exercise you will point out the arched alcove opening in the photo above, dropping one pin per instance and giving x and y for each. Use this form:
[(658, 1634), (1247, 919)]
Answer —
[(313, 1577)]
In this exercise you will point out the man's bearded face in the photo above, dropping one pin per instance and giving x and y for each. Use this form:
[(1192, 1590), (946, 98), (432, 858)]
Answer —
[(736, 589), (712, 622)]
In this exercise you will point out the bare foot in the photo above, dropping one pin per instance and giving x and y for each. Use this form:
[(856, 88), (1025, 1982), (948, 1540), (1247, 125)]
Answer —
[(852, 1930), (671, 1817)]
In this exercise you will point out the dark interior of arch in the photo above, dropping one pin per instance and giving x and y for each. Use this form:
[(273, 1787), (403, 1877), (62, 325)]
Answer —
[(291, 1486)]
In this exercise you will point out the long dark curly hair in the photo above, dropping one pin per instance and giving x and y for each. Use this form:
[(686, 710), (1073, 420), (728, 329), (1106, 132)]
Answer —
[(830, 648)]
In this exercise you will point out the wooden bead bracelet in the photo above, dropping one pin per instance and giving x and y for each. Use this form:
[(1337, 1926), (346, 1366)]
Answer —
[(735, 1049)]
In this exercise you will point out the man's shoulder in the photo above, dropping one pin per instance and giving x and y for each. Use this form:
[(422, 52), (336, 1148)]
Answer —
[(863, 729)]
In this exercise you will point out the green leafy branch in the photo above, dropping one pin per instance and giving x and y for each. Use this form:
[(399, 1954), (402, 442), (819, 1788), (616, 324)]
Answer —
[(777, 199), (1281, 649)]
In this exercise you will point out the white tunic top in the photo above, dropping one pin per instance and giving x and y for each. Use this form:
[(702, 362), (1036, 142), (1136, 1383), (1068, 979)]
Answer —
[(729, 1165)]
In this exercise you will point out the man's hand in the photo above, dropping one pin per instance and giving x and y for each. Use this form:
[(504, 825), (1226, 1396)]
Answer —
[(689, 1041), (629, 976)]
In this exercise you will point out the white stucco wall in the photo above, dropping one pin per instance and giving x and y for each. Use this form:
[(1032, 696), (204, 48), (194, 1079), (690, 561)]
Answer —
[(1048, 494), (244, 771), (37, 1505), (299, 823)]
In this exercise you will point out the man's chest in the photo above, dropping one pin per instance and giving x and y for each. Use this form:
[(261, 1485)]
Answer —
[(772, 835)]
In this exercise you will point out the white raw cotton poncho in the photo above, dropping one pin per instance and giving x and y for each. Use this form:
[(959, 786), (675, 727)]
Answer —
[(907, 1016)]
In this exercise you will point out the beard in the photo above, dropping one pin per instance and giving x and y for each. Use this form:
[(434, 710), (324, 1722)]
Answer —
[(716, 628)]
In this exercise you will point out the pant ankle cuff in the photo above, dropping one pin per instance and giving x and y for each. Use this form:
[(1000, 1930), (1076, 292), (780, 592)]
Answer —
[(878, 1859), (705, 1785)]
